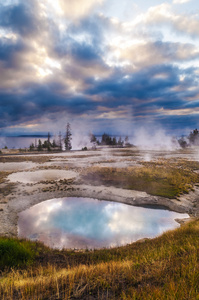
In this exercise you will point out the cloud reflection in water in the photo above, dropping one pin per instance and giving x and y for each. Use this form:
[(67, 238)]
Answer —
[(90, 223)]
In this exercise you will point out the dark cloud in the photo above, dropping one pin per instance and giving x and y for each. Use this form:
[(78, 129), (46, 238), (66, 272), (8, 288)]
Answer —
[(19, 18), (145, 92), (94, 27), (37, 101), (140, 85), (174, 51), (178, 123), (86, 49), (9, 50), (84, 52), (192, 104), (46, 98)]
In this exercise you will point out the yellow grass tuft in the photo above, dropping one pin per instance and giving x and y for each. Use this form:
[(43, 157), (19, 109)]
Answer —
[(161, 179)]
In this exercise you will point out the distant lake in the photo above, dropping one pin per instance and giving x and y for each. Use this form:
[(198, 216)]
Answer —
[(17, 142), (89, 223)]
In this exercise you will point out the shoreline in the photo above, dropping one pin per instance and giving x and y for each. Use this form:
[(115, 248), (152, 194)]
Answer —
[(15, 205)]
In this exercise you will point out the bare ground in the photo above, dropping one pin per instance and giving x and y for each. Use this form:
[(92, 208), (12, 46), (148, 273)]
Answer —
[(57, 175)]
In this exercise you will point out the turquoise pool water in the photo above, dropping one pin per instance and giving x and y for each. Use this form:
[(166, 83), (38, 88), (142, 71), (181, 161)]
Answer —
[(90, 223)]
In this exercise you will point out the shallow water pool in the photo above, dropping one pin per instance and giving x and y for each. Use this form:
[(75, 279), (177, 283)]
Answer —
[(90, 223)]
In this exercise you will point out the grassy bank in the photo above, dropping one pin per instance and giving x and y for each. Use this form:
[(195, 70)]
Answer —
[(15, 253), (163, 268), (161, 179)]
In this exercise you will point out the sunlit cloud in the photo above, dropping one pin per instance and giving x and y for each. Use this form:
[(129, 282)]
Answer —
[(163, 14), (180, 1), (179, 112), (55, 6), (78, 8)]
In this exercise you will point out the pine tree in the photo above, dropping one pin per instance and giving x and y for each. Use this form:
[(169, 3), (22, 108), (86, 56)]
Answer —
[(49, 143), (39, 147), (68, 138), (60, 141), (54, 144), (31, 147), (93, 138), (194, 137), (114, 141), (120, 142)]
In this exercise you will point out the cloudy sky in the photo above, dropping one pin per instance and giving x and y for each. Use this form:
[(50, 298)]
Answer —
[(102, 65)]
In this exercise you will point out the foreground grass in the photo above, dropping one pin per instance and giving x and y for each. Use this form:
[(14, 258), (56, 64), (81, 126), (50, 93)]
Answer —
[(14, 253), (163, 268), (163, 179)]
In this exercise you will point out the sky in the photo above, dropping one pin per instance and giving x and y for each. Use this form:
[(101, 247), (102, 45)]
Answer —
[(101, 65)]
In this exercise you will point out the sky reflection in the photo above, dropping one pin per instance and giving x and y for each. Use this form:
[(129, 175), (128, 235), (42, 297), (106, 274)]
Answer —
[(90, 223)]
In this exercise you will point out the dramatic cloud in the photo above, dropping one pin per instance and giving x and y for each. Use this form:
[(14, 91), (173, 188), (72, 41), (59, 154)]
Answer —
[(103, 67)]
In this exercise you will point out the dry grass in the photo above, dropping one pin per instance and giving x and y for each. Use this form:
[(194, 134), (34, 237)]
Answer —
[(188, 164), (179, 163), (161, 179), (3, 176), (5, 188), (53, 168), (24, 158), (86, 155), (163, 268)]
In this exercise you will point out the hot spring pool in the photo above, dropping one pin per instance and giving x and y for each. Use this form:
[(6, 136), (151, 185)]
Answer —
[(90, 223)]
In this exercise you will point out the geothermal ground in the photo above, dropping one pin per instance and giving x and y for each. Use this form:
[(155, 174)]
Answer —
[(127, 175)]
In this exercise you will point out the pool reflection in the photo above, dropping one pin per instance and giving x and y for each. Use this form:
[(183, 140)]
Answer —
[(90, 223)]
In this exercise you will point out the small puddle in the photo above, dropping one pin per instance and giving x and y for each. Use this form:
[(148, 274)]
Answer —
[(41, 175), (90, 223)]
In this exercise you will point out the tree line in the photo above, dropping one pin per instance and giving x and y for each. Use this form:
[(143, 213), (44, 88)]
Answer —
[(191, 140), (108, 140), (56, 145)]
